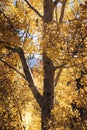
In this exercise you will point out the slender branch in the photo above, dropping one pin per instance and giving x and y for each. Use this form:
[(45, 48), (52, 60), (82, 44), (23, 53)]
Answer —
[(60, 66), (12, 68), (56, 14), (62, 11), (35, 10)]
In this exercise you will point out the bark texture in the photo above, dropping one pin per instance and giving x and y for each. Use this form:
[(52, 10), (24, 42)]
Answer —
[(48, 94)]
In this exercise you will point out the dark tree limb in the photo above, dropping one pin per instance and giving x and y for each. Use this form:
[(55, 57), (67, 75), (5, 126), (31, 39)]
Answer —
[(60, 66), (35, 10), (10, 66), (28, 75)]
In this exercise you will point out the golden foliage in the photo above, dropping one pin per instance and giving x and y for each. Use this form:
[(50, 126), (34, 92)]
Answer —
[(64, 44)]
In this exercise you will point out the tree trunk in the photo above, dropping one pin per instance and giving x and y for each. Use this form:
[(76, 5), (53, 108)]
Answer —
[(48, 11), (48, 92)]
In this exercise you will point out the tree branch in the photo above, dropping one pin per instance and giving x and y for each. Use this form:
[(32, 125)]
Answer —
[(28, 75), (35, 10), (62, 11), (12, 68), (60, 66)]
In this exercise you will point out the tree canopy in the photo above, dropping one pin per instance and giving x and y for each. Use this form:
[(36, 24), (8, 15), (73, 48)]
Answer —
[(51, 95)]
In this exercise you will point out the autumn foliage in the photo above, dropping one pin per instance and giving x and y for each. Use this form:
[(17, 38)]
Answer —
[(52, 94)]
